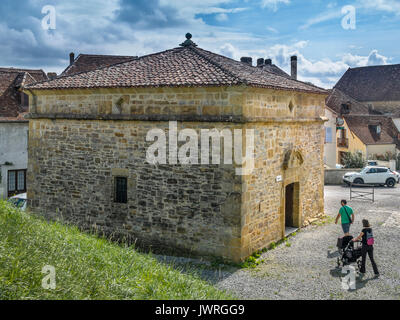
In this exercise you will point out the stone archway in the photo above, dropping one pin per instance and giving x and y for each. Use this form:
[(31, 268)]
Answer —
[(291, 191)]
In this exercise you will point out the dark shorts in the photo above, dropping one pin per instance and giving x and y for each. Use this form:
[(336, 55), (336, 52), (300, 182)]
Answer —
[(346, 227)]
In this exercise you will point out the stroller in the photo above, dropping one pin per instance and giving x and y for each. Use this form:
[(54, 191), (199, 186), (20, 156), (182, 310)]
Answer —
[(348, 252)]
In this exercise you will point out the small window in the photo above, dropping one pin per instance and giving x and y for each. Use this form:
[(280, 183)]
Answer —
[(121, 189), (16, 182)]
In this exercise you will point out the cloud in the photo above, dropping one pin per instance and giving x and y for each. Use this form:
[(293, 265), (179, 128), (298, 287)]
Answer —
[(324, 72), (273, 4), (392, 6), (221, 17), (322, 17), (271, 29)]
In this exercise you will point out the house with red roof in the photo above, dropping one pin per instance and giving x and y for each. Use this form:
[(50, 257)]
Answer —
[(14, 105)]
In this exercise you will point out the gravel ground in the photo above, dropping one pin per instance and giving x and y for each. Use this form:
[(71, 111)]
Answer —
[(307, 269)]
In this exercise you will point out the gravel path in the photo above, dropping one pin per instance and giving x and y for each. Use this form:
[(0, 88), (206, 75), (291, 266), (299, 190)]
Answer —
[(307, 269)]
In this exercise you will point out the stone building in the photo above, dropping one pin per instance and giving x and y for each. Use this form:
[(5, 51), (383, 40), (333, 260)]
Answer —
[(88, 145), (14, 129)]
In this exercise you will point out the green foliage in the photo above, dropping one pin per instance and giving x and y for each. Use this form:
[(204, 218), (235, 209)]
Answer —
[(354, 160), (384, 157), (252, 261), (87, 266)]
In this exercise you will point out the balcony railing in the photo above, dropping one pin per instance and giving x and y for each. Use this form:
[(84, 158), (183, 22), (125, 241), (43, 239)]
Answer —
[(343, 142)]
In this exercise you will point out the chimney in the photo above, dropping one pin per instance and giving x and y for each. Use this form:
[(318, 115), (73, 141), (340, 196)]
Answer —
[(247, 60), (293, 62), (260, 62), (71, 58), (268, 62), (51, 75)]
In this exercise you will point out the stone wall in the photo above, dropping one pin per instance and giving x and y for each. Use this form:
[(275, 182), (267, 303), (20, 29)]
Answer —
[(80, 140), (335, 176)]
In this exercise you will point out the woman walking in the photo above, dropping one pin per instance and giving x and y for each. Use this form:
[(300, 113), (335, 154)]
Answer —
[(367, 238)]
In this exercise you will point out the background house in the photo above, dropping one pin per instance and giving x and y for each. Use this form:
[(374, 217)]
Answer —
[(377, 87), (14, 128), (360, 128)]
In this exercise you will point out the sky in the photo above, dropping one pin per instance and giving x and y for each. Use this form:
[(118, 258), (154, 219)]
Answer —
[(327, 36)]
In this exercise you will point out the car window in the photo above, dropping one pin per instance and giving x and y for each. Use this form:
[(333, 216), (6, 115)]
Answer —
[(382, 170), (372, 170)]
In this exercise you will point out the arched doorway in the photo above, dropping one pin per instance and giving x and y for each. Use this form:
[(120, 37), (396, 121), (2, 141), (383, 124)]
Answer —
[(292, 207)]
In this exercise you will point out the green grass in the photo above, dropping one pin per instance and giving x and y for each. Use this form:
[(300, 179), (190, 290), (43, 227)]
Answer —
[(86, 266)]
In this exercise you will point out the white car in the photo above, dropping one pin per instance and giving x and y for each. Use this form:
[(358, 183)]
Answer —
[(19, 201), (372, 175)]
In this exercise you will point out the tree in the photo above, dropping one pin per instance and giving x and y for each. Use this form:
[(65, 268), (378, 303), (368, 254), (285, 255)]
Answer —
[(354, 160)]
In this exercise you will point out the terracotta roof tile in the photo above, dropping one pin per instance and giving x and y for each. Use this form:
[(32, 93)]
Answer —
[(88, 62), (11, 80), (375, 83), (184, 66), (361, 126), (336, 98)]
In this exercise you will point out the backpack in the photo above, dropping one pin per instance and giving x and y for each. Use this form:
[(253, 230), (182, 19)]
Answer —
[(370, 238)]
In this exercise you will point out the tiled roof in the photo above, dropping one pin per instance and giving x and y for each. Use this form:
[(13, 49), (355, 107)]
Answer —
[(376, 83), (336, 98), (11, 80), (88, 62), (183, 66), (275, 69), (361, 127)]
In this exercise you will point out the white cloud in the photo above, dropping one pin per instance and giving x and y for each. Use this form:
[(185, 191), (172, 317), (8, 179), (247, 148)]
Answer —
[(324, 72), (271, 29), (325, 16), (392, 6), (221, 17), (273, 4)]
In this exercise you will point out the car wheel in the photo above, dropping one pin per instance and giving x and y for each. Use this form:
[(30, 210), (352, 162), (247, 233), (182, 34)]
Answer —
[(390, 183), (358, 181)]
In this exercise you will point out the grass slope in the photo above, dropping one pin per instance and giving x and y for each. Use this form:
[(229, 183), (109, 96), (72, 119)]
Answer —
[(87, 267)]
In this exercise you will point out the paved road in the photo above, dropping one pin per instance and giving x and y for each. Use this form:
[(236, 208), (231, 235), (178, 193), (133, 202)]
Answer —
[(307, 269)]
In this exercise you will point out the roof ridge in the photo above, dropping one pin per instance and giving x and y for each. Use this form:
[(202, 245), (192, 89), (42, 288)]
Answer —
[(376, 66), (196, 50), (12, 69), (103, 55)]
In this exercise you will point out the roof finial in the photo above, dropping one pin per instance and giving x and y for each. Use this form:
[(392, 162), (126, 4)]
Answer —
[(188, 42)]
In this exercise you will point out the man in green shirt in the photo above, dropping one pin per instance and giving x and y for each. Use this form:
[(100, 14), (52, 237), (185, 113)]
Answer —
[(347, 217)]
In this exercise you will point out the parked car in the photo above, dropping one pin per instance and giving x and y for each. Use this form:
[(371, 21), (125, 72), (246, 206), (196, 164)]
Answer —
[(397, 173), (372, 163), (19, 201), (372, 175)]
